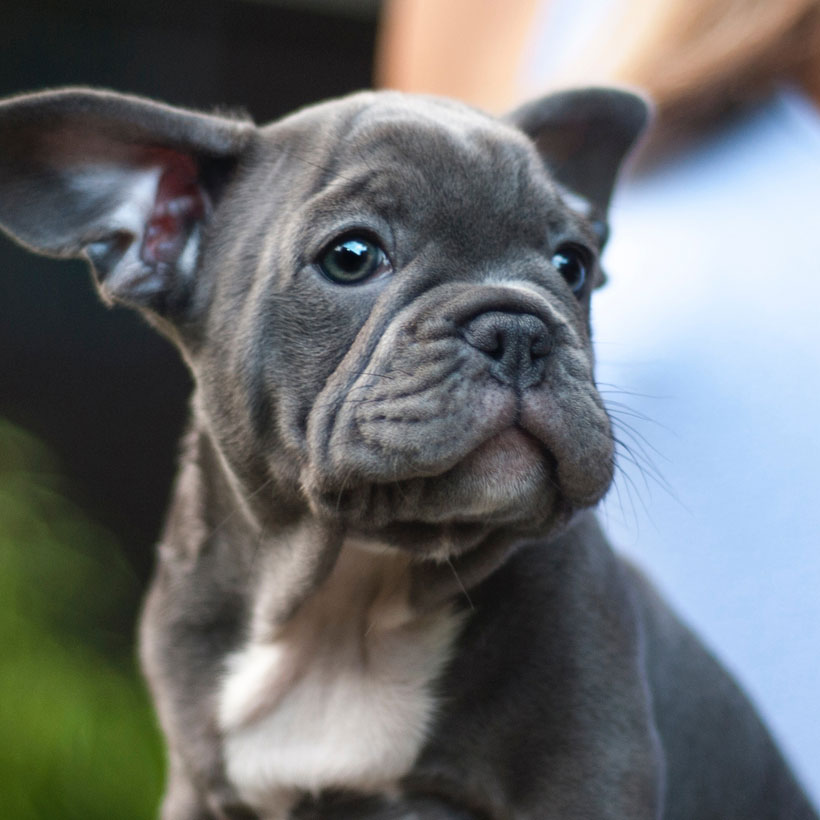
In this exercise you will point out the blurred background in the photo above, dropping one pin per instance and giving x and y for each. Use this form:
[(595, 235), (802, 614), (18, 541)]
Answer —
[(707, 332), (92, 402), (708, 340)]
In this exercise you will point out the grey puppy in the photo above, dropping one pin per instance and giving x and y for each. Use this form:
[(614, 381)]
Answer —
[(380, 592)]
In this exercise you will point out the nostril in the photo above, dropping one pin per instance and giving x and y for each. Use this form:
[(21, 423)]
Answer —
[(487, 334), (496, 334), (540, 343), (495, 348), (517, 344)]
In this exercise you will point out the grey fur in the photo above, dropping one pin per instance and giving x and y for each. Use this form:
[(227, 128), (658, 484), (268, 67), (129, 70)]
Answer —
[(328, 414)]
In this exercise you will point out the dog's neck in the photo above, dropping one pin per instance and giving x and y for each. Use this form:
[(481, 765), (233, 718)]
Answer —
[(336, 657), (267, 531), (343, 618)]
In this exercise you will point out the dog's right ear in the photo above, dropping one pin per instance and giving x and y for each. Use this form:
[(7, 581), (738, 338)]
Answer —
[(124, 181)]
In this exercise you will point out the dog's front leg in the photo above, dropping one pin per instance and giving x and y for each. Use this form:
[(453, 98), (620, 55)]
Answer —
[(218, 585), (197, 788), (184, 800)]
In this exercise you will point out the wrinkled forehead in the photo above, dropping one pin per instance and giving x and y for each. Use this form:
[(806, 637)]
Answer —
[(418, 159), (422, 129), (440, 144)]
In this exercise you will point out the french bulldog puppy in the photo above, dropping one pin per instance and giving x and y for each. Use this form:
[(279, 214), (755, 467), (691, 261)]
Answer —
[(381, 591)]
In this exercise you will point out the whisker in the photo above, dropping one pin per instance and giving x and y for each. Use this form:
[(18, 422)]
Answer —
[(640, 440), (463, 588), (641, 460), (617, 408), (621, 493), (626, 454), (614, 388), (342, 487), (247, 499), (317, 165)]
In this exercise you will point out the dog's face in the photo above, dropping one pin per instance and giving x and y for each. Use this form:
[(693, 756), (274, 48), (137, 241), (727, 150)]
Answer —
[(384, 299)]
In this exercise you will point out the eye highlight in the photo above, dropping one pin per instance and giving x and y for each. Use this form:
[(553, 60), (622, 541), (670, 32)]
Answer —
[(352, 260), (573, 262)]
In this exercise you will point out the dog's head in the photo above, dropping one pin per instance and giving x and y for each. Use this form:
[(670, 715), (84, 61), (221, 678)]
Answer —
[(384, 299)]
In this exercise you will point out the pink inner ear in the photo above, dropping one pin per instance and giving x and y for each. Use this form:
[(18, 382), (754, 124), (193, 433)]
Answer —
[(180, 204)]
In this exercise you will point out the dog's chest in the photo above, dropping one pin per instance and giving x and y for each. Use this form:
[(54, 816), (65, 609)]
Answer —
[(342, 696)]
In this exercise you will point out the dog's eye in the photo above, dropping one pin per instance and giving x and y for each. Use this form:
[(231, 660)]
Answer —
[(353, 260), (573, 263)]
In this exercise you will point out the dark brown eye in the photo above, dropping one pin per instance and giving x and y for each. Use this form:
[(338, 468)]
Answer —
[(573, 263), (353, 260)]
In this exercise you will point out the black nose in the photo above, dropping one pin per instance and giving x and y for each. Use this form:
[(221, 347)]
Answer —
[(517, 344)]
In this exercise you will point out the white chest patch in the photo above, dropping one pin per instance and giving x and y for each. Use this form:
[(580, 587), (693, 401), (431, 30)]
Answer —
[(342, 695)]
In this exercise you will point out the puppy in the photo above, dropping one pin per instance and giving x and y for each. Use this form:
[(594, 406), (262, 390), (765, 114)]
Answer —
[(380, 592)]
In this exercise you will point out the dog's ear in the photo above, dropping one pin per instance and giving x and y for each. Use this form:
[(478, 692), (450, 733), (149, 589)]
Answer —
[(126, 182), (584, 136)]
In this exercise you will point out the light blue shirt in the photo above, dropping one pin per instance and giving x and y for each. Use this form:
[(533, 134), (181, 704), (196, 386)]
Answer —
[(710, 329)]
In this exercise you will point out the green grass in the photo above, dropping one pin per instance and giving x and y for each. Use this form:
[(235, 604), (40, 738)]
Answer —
[(77, 736)]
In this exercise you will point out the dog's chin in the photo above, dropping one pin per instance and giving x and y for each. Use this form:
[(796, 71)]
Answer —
[(507, 481), (506, 477)]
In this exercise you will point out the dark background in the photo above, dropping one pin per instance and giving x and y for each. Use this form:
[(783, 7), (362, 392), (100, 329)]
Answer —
[(106, 393), (92, 402)]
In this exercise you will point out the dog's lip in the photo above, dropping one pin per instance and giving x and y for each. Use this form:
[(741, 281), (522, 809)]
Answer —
[(508, 453)]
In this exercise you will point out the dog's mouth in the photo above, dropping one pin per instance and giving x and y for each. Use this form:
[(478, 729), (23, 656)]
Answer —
[(524, 462), (428, 429), (509, 482), (508, 457), (508, 478)]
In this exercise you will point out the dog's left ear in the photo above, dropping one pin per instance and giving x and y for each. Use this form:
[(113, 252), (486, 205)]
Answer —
[(124, 181), (584, 136)]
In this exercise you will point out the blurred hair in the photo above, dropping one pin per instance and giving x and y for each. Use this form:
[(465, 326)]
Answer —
[(700, 59), (467, 49)]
